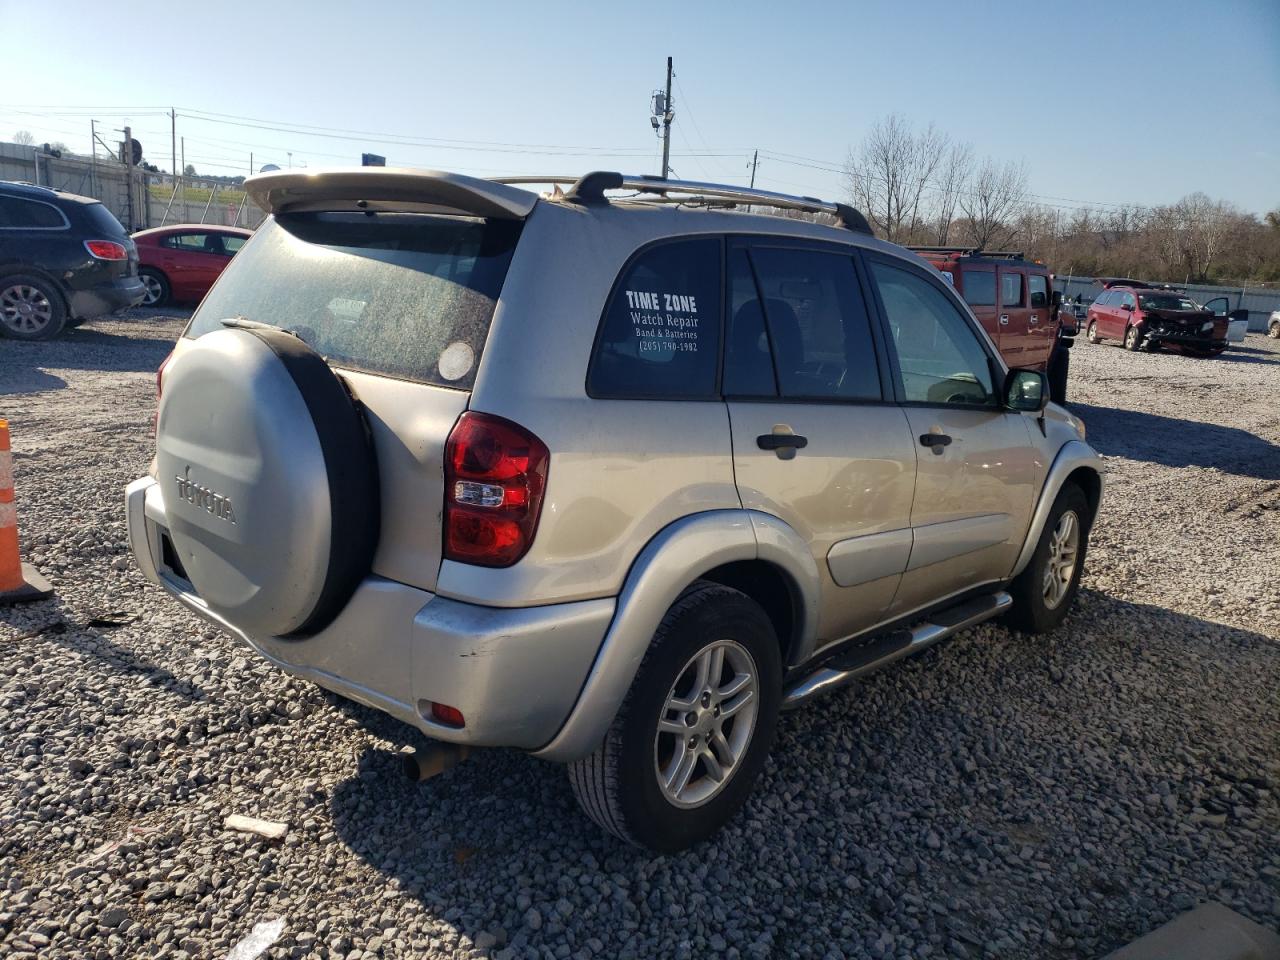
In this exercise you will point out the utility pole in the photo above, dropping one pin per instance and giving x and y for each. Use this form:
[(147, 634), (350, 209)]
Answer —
[(93, 166), (173, 141), (666, 127), (128, 170), (186, 213), (755, 159)]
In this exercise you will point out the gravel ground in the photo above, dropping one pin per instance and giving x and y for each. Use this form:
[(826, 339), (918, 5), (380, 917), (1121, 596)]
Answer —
[(1000, 796)]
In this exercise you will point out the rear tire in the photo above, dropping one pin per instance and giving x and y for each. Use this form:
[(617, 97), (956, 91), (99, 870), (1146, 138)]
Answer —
[(1044, 592), (677, 714), (1273, 331), (157, 284), (1132, 338), (31, 308)]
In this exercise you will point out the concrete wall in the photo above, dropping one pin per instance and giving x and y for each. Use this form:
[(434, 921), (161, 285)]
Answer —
[(155, 202)]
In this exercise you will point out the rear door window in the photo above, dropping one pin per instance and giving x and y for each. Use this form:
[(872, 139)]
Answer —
[(818, 324), (19, 214), (979, 287), (1038, 283), (660, 336), (1010, 289), (406, 295)]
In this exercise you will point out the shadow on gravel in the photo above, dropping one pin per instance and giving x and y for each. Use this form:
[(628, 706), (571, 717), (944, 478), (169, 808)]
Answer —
[(1246, 355), (90, 640), (1179, 443), (1048, 794), (78, 349)]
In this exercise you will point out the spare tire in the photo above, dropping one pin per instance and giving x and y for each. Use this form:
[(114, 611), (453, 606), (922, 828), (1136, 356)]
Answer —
[(269, 478)]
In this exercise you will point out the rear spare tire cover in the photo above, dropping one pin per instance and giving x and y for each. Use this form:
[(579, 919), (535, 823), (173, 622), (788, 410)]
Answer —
[(269, 478)]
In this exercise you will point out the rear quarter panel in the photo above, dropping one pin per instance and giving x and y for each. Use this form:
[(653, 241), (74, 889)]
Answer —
[(621, 470)]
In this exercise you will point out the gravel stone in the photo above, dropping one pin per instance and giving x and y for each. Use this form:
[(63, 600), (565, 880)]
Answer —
[(1021, 797)]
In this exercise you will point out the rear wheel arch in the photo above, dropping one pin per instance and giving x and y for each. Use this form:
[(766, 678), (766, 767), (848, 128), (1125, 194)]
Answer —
[(773, 589)]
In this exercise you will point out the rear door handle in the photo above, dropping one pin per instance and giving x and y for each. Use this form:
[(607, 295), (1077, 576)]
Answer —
[(935, 440), (1004, 318), (781, 441)]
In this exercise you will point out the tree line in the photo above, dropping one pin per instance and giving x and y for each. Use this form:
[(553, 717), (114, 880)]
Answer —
[(920, 186)]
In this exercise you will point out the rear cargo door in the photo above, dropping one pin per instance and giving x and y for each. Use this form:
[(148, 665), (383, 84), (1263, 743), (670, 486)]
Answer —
[(399, 304)]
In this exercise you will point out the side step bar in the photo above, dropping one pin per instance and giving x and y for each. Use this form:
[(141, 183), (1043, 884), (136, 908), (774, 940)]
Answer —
[(902, 643)]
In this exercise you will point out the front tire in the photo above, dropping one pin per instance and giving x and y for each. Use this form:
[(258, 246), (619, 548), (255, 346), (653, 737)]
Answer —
[(157, 285), (30, 308), (1132, 338), (1059, 366), (1273, 331), (1044, 592), (693, 733), (1091, 332)]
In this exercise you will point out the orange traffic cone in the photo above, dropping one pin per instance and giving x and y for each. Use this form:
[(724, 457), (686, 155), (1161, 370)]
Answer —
[(18, 581)]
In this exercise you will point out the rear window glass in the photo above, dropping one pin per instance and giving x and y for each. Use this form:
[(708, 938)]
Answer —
[(102, 219), (1010, 289), (979, 288), (661, 332), (406, 295)]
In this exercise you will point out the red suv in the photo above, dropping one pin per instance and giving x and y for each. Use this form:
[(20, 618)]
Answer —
[(1143, 315), (1014, 300)]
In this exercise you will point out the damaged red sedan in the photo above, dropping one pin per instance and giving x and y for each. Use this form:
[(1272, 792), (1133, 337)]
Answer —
[(1142, 316)]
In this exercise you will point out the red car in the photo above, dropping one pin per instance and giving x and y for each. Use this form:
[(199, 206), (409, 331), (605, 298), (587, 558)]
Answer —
[(181, 262), (1143, 316)]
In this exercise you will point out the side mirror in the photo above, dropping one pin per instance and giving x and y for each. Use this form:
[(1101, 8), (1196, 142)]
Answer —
[(1128, 306), (1026, 390), (1240, 314)]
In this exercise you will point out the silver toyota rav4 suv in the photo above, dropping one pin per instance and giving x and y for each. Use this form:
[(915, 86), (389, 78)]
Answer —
[(609, 474)]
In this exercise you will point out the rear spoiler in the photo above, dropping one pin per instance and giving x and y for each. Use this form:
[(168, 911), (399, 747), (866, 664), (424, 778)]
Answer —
[(388, 189)]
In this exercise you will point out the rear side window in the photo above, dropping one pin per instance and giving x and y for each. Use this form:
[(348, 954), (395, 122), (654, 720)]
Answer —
[(19, 214), (1010, 289), (660, 337), (1039, 286), (818, 325), (980, 288), (406, 295), (192, 242)]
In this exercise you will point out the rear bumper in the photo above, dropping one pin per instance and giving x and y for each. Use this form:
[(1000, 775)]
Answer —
[(515, 673), (106, 298)]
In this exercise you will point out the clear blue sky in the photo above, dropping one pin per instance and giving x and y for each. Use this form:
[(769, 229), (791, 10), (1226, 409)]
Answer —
[(1141, 101)]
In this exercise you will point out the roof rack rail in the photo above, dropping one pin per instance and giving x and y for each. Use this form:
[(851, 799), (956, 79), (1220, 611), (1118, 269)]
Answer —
[(590, 188), (969, 251)]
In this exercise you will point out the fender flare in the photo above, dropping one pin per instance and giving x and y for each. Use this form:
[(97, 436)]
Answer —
[(677, 556), (1073, 455)]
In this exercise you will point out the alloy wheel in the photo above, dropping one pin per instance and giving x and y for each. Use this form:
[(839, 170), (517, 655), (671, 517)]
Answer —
[(154, 289), (25, 309), (1060, 566), (706, 723)]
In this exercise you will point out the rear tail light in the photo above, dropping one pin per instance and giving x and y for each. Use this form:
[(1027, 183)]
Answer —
[(106, 250), (495, 474)]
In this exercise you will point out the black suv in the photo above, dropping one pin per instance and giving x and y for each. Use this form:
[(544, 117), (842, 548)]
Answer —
[(63, 259)]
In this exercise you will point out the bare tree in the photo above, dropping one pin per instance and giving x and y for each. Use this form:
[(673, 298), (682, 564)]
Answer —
[(24, 138), (892, 171), (952, 181), (992, 200)]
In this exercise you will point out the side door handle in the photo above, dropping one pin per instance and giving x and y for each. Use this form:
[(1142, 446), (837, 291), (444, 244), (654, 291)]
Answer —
[(935, 441), (1004, 318), (781, 441)]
